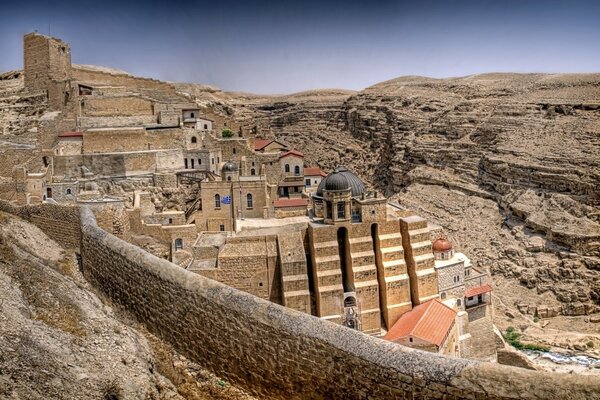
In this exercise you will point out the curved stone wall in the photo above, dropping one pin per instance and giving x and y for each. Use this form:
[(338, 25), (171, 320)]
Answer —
[(280, 353)]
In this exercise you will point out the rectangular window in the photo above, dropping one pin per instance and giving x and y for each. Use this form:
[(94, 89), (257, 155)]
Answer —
[(341, 210), (222, 228), (307, 182)]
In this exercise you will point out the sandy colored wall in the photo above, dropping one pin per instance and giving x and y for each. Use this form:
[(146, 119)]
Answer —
[(280, 353), (60, 223)]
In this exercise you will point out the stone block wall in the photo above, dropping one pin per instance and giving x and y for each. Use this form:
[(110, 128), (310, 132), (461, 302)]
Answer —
[(60, 223), (280, 353)]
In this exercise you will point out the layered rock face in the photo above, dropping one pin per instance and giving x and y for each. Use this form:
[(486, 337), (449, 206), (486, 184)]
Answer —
[(524, 148)]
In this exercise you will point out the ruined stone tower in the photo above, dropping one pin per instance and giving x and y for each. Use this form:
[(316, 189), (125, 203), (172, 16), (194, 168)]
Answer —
[(47, 67)]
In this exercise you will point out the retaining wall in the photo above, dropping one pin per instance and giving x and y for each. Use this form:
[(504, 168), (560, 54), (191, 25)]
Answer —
[(279, 353), (60, 223)]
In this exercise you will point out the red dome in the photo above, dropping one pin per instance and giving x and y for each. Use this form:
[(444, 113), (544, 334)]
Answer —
[(441, 245)]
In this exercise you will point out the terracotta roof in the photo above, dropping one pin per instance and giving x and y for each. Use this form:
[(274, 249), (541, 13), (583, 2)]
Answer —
[(292, 152), (441, 244), (314, 171), (281, 203), (478, 290), (261, 144), (71, 134), (429, 321)]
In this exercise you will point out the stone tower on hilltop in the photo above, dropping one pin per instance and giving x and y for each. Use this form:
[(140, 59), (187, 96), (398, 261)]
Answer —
[(47, 67)]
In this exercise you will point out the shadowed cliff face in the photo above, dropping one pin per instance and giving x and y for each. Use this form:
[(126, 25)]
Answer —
[(524, 147)]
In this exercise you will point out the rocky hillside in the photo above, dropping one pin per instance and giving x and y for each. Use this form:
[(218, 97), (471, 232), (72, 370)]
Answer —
[(59, 340), (508, 164)]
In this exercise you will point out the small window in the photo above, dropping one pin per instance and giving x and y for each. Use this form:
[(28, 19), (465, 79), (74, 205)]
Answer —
[(443, 295), (307, 182), (212, 160), (170, 221), (458, 302), (259, 283), (199, 161), (252, 171), (410, 339), (205, 126), (287, 167), (217, 201), (297, 170), (178, 244), (192, 115), (341, 210), (229, 178), (194, 140), (222, 228), (249, 200), (69, 191), (218, 160), (233, 150), (253, 163), (470, 298)]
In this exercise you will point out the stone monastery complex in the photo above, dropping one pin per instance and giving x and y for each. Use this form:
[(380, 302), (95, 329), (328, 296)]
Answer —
[(219, 200)]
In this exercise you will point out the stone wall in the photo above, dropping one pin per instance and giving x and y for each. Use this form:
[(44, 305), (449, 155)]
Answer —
[(60, 223), (280, 353)]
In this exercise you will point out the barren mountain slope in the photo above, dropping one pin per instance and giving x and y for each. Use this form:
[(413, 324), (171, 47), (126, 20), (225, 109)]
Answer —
[(59, 341)]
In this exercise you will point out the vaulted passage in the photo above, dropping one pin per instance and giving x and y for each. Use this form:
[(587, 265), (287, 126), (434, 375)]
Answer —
[(345, 263)]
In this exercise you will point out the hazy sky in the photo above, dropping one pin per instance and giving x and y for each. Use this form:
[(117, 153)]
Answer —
[(288, 46)]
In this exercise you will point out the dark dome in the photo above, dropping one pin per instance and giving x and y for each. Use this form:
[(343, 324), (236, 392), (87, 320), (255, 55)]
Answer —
[(336, 177), (336, 182), (229, 166)]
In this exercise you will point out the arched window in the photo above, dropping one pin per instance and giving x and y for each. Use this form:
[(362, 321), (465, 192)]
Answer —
[(287, 167), (458, 302), (194, 140), (69, 191), (229, 178), (252, 171), (217, 201), (249, 200), (192, 115), (297, 170), (178, 244), (443, 295)]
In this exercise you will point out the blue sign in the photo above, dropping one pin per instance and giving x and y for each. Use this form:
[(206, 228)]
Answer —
[(226, 200)]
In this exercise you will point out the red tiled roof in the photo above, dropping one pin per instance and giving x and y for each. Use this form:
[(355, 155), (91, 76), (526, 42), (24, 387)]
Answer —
[(292, 153), (281, 203), (71, 134), (314, 171), (478, 290), (429, 321), (261, 144)]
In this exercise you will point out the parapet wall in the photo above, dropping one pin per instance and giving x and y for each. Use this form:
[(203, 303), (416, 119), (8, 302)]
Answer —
[(280, 353), (60, 223)]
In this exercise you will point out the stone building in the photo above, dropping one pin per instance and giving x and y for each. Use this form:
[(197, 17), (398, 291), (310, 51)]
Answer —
[(254, 217), (460, 282), (430, 326)]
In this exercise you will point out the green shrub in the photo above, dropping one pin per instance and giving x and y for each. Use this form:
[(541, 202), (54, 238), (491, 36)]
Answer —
[(512, 337), (590, 344), (227, 133), (536, 319)]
